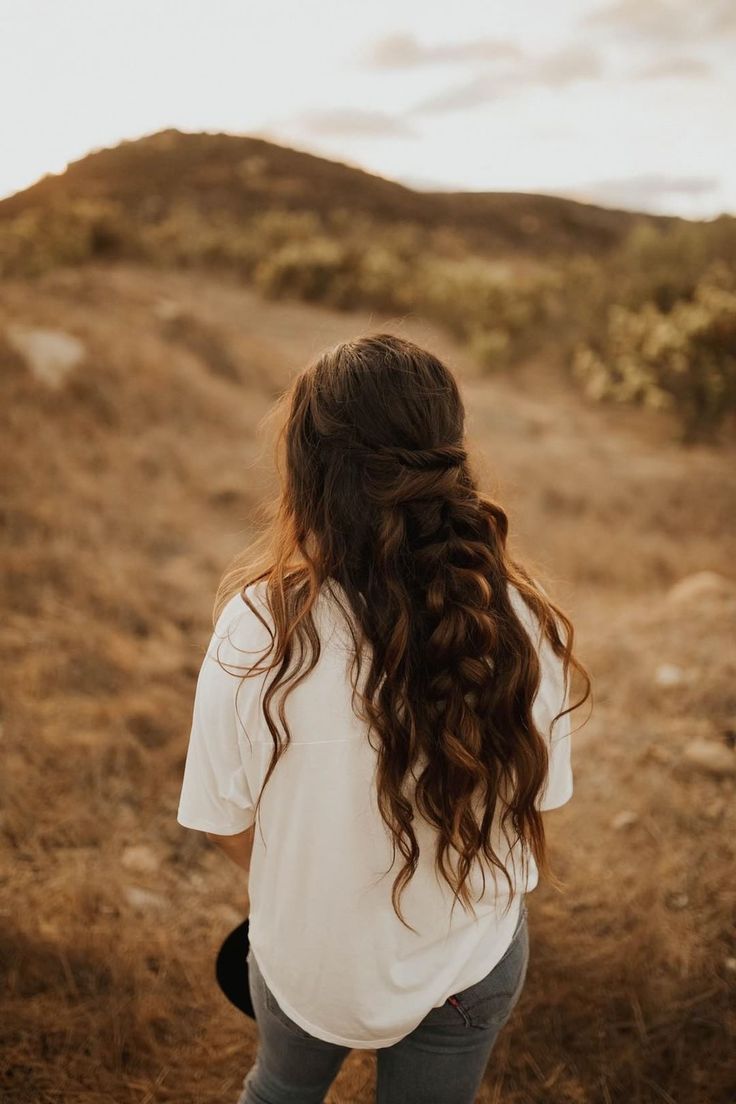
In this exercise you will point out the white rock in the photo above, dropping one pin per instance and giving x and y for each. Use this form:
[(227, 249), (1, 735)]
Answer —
[(710, 756), (140, 858), (624, 819), (677, 900), (50, 354), (699, 584), (144, 900), (669, 674)]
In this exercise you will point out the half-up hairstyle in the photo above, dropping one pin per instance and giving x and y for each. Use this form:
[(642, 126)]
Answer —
[(378, 496)]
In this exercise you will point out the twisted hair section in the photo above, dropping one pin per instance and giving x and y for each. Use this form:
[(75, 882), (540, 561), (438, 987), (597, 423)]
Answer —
[(378, 495)]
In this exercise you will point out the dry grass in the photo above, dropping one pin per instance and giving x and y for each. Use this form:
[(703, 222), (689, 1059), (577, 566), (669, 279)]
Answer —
[(125, 493)]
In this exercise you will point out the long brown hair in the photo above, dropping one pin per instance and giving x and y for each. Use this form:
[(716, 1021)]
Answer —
[(378, 496)]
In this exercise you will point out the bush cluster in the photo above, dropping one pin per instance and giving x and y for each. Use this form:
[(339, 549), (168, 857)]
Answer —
[(652, 322), (682, 359)]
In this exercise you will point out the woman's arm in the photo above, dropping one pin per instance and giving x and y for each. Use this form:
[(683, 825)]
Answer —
[(237, 847)]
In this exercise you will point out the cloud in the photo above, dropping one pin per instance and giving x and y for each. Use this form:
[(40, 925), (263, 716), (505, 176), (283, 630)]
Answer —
[(572, 63), (403, 51), (666, 20), (642, 192), (481, 90), (350, 122), (682, 68), (555, 70)]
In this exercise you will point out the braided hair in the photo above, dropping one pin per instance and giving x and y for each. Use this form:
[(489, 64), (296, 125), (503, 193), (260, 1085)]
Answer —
[(378, 496)]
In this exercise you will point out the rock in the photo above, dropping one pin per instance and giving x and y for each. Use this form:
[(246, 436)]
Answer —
[(168, 310), (668, 674), (696, 586), (710, 756), (50, 354), (140, 858), (623, 819), (144, 900)]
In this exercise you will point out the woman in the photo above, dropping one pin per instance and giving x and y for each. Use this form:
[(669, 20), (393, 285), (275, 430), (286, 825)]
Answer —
[(386, 691)]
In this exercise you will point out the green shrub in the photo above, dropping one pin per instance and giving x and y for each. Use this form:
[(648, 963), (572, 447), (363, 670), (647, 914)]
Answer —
[(41, 239), (475, 295), (492, 348), (317, 270), (664, 264), (683, 360), (384, 279)]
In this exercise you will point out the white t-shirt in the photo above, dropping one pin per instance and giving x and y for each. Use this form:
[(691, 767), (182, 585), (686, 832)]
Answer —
[(322, 927)]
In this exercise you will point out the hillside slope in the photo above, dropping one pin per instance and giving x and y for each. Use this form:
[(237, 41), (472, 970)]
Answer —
[(226, 176)]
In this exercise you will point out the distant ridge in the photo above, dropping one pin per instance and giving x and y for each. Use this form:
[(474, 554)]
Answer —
[(231, 176)]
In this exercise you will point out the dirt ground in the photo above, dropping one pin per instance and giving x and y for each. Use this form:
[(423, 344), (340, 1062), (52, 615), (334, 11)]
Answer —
[(127, 485)]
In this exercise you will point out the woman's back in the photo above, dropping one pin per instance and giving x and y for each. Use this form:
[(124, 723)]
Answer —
[(327, 939)]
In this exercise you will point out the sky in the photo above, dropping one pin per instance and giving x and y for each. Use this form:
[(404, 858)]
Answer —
[(627, 103)]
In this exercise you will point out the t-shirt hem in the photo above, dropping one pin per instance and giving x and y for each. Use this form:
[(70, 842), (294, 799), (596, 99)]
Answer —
[(321, 1032), (209, 826)]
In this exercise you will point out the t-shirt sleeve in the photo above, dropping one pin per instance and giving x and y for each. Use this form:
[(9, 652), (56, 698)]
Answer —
[(552, 696), (215, 793)]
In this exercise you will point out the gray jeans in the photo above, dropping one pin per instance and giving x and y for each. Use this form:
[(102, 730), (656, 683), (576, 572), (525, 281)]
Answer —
[(442, 1061)]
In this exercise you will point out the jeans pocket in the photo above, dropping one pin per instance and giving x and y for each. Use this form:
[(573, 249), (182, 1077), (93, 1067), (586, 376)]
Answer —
[(490, 1002), (275, 1010), (262, 996)]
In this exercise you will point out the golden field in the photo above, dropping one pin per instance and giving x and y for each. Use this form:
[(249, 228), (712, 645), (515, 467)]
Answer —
[(132, 471)]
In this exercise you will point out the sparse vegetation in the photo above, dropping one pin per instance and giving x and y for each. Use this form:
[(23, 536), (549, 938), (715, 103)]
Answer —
[(508, 275), (681, 359), (126, 490), (193, 275)]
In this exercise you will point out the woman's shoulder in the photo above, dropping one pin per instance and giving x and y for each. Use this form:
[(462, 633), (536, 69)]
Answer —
[(533, 627), (245, 620), (522, 609)]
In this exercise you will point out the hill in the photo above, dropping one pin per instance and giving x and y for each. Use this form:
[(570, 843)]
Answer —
[(231, 177)]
